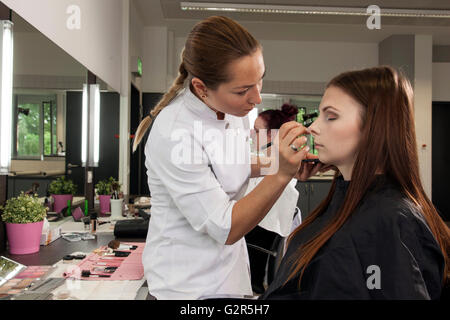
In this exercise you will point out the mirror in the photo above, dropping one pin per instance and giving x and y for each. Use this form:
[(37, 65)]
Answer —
[(47, 102)]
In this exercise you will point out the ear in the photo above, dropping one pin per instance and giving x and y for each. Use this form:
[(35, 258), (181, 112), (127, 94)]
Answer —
[(199, 87)]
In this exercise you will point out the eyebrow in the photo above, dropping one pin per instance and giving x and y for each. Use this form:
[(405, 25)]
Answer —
[(328, 107), (249, 86)]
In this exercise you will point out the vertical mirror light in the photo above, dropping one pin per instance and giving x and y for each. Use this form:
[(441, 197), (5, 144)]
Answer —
[(90, 130), (84, 126), (95, 125), (6, 84)]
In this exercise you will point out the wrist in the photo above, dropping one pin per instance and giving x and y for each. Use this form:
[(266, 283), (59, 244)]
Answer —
[(282, 178)]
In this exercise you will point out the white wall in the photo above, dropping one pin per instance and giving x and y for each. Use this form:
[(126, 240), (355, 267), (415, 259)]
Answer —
[(97, 44), (34, 54), (422, 106), (136, 43), (155, 41), (315, 61), (308, 61), (441, 81)]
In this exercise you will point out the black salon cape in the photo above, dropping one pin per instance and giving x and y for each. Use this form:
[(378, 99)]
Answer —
[(385, 231)]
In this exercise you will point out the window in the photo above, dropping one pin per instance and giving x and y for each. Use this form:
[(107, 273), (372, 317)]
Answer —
[(35, 126)]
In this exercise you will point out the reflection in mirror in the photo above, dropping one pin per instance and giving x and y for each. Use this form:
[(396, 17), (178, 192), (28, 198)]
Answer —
[(42, 74), (47, 104)]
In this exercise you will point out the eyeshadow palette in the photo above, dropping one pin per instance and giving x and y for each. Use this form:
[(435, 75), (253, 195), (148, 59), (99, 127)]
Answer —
[(34, 272), (24, 280)]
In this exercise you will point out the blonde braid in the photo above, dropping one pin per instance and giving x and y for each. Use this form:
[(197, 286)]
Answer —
[(176, 87)]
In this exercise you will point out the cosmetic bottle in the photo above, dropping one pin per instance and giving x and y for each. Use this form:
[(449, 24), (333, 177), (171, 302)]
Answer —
[(93, 222)]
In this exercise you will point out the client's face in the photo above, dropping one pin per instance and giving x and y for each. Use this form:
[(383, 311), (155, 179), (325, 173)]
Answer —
[(337, 130)]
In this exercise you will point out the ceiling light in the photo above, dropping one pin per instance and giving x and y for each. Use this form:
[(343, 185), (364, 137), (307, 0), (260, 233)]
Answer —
[(264, 8)]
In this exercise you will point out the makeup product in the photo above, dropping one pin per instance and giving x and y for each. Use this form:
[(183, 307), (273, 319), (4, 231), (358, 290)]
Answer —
[(266, 146), (308, 119), (86, 223), (105, 269), (121, 253), (77, 214), (88, 274), (94, 222), (311, 160), (68, 258), (108, 264), (34, 272), (114, 244), (111, 259), (74, 256)]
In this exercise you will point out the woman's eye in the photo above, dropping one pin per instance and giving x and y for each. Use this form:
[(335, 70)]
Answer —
[(241, 93), (331, 117)]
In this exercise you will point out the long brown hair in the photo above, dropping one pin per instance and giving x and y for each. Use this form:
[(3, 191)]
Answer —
[(388, 144), (210, 47)]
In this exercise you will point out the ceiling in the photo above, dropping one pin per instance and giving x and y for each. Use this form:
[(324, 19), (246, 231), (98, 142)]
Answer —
[(292, 27)]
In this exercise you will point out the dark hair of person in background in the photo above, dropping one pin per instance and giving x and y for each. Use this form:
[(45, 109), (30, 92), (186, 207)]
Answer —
[(274, 119)]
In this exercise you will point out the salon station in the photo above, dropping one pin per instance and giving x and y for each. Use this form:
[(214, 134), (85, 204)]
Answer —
[(77, 78)]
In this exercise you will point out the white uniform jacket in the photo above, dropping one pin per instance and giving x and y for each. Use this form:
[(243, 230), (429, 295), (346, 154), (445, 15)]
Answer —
[(197, 168)]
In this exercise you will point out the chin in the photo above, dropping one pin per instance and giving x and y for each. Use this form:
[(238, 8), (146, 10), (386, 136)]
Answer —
[(323, 159), (242, 113)]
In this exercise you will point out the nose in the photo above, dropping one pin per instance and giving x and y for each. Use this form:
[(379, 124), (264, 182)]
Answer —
[(314, 128), (255, 97)]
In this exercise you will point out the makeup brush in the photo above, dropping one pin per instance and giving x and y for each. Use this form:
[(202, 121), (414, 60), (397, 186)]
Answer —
[(87, 273)]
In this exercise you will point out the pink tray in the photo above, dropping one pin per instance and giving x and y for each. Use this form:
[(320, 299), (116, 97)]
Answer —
[(129, 268)]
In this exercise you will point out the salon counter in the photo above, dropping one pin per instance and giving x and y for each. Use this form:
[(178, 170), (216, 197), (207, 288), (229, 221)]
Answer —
[(55, 251), (52, 254)]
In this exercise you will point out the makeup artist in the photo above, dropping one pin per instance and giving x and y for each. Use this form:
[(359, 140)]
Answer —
[(195, 246)]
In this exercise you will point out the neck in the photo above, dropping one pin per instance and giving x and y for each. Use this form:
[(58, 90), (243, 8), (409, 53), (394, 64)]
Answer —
[(346, 172), (220, 115)]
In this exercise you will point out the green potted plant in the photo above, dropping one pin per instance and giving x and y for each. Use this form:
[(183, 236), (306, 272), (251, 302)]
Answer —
[(61, 190), (24, 217), (104, 192)]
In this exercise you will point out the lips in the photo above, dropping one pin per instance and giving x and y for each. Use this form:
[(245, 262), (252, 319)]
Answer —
[(318, 144)]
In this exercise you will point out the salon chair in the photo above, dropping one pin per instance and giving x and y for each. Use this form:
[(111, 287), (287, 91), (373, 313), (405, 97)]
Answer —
[(273, 252)]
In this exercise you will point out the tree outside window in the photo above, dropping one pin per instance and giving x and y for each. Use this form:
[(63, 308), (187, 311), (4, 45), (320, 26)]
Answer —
[(35, 126)]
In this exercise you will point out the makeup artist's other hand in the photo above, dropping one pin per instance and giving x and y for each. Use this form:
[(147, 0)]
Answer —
[(308, 169)]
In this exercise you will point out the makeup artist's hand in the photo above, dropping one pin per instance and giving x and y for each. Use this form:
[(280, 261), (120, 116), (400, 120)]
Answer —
[(289, 137)]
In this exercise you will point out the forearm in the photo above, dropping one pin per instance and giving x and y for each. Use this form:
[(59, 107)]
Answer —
[(251, 209)]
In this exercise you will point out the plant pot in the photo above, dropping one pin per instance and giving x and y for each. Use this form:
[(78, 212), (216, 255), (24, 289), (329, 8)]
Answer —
[(60, 201), (24, 238), (116, 208), (104, 203)]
